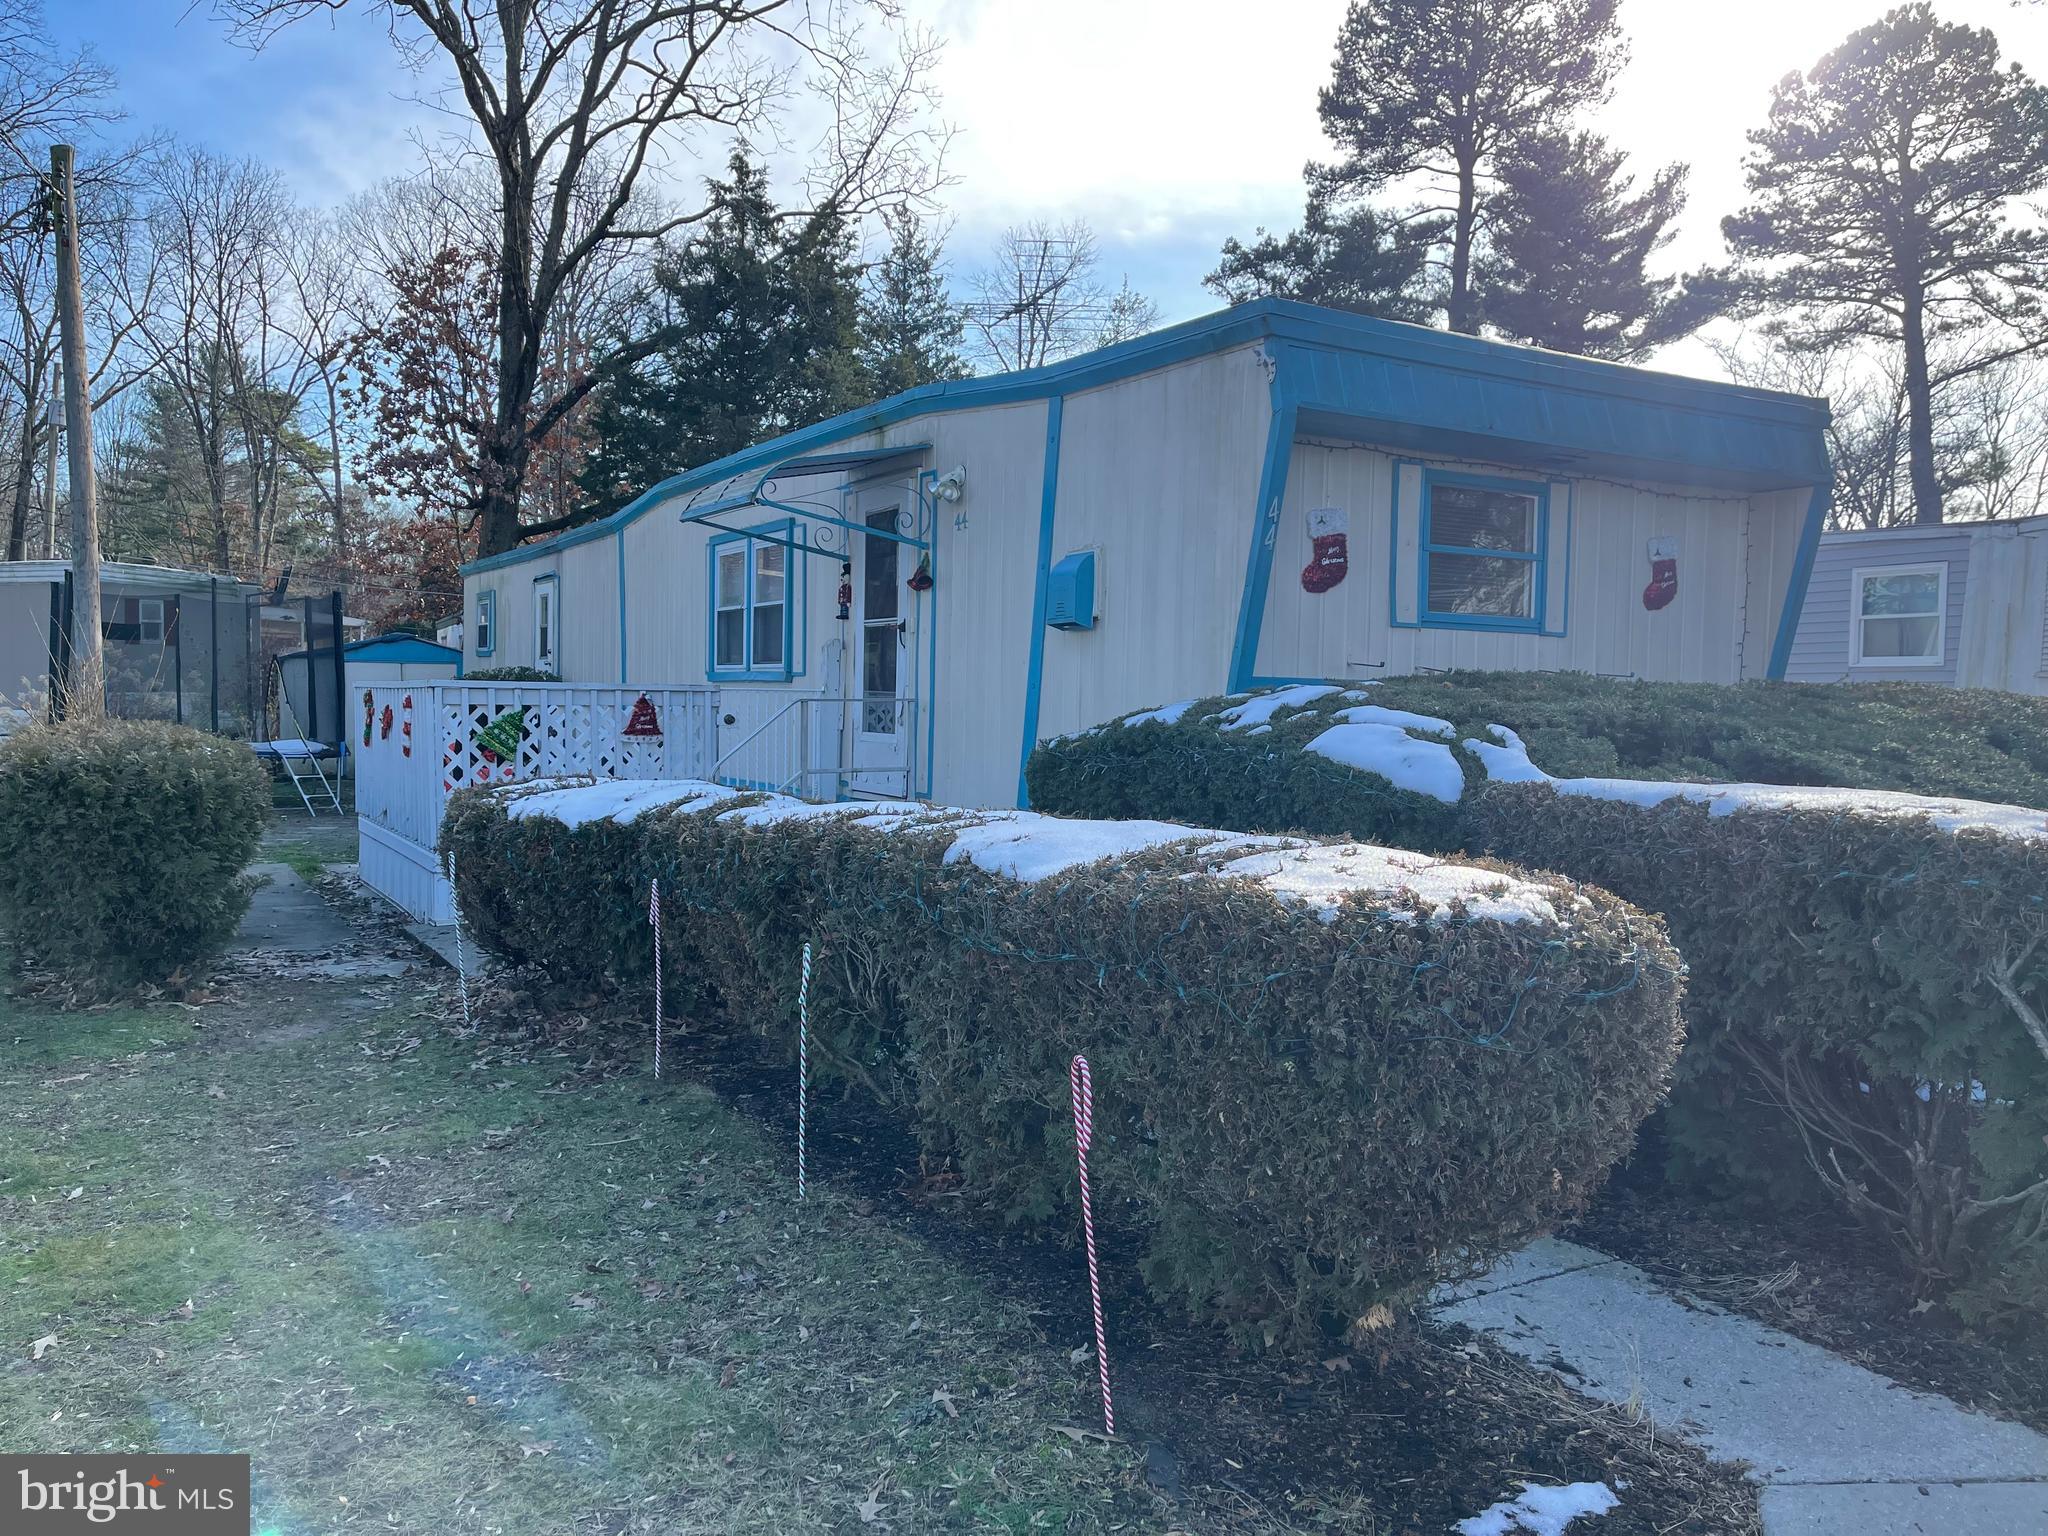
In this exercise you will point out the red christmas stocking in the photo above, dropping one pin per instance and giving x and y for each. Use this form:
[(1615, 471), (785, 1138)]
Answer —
[(1663, 584), (1332, 560)]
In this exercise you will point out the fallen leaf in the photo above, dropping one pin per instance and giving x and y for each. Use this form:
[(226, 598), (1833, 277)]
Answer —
[(1076, 1356), (1079, 1435), (534, 1448), (74, 1194), (870, 1508), (182, 1313), (730, 1374), (215, 1091), (583, 1301), (945, 1400), (42, 1346)]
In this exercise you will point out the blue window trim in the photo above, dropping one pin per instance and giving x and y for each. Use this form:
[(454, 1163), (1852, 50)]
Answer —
[(487, 604), (793, 571), (1539, 559)]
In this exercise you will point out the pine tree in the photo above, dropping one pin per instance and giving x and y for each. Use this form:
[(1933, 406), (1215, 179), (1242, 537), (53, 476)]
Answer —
[(1363, 261), (1440, 90), (758, 323), (911, 330), (1566, 259), (1887, 193)]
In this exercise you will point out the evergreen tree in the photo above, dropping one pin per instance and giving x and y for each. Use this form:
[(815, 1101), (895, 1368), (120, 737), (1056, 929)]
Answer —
[(1885, 193), (1440, 90), (1566, 259), (1364, 261), (757, 321), (910, 328)]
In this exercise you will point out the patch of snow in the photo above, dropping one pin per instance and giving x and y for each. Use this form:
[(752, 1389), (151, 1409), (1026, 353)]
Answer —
[(1321, 876), (1509, 763), (1260, 708), (1540, 1511), (779, 808), (1165, 714), (1376, 714), (576, 805), (1024, 845), (1407, 762)]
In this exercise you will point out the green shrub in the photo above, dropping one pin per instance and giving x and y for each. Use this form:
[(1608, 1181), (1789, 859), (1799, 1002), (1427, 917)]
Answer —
[(1850, 976), (1916, 737), (509, 675), (122, 846), (1309, 1110), (1864, 1005)]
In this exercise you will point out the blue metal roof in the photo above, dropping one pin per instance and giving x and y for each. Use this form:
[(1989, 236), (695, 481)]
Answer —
[(1371, 380)]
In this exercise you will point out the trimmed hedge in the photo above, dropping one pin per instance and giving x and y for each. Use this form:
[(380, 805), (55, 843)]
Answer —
[(122, 846), (1852, 974), (1914, 737), (1310, 1111)]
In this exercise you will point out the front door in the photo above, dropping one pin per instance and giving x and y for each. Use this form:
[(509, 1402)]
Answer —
[(884, 660)]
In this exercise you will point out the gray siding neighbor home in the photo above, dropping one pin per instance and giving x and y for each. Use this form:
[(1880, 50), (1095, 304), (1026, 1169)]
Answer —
[(1964, 604)]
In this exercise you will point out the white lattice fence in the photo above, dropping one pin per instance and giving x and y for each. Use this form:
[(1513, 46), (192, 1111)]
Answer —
[(417, 743)]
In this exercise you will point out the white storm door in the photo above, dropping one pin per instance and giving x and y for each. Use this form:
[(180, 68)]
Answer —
[(884, 659)]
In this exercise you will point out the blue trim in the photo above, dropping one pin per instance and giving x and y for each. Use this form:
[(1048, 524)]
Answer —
[(1539, 558), (1034, 676), (931, 678), (749, 673), (1394, 619), (1265, 533), (1571, 521), (1802, 572), (622, 607), (487, 599), (1421, 381)]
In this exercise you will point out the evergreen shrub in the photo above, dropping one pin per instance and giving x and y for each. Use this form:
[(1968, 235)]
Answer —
[(1307, 1111), (122, 848), (1865, 993)]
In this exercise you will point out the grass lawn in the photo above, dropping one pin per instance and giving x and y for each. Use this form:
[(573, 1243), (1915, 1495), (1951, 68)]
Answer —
[(435, 1283)]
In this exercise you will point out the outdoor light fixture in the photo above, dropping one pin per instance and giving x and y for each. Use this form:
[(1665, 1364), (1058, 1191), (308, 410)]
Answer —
[(951, 484)]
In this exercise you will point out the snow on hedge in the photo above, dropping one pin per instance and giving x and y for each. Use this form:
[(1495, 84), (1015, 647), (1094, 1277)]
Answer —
[(1539, 1510), (1413, 752), (1029, 847), (1507, 761)]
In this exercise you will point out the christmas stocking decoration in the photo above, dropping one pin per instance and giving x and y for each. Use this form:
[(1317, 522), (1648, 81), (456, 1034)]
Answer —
[(1330, 543), (1663, 574)]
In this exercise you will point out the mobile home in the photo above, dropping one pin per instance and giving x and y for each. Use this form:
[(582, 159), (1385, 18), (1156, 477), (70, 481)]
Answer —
[(907, 597), (1964, 604)]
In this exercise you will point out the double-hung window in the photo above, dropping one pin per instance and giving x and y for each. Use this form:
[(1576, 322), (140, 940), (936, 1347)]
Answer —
[(750, 611), (1898, 616), (1482, 552), (149, 614), (486, 622)]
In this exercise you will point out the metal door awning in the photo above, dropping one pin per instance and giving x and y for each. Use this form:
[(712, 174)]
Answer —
[(758, 495)]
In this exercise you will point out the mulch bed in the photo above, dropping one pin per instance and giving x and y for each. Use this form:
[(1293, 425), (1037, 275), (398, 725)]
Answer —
[(1433, 1427), (1825, 1280)]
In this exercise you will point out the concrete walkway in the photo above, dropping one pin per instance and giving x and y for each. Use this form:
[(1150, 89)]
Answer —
[(1839, 1449)]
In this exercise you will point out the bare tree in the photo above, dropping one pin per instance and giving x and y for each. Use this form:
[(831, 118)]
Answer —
[(574, 102), (1040, 300)]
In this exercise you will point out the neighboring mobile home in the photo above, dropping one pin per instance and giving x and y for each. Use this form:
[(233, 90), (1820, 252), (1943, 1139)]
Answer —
[(179, 645), (910, 595), (1958, 603)]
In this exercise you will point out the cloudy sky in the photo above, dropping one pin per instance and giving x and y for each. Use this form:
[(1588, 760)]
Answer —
[(1167, 124)]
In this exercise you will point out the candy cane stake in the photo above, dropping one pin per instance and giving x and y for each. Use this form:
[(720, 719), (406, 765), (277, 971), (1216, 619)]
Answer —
[(803, 1072), (461, 956), (1083, 1087), (654, 922)]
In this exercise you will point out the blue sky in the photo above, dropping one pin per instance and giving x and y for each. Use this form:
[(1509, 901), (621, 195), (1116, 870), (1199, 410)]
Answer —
[(1167, 124)]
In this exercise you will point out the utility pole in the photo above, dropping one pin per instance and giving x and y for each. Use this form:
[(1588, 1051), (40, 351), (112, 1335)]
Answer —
[(88, 689), (54, 427)]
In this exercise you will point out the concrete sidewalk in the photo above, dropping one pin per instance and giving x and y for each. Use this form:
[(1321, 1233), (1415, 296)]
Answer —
[(1838, 1448)]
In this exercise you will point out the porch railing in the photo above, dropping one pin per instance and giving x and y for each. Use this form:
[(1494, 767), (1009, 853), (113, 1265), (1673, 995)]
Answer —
[(817, 747)]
